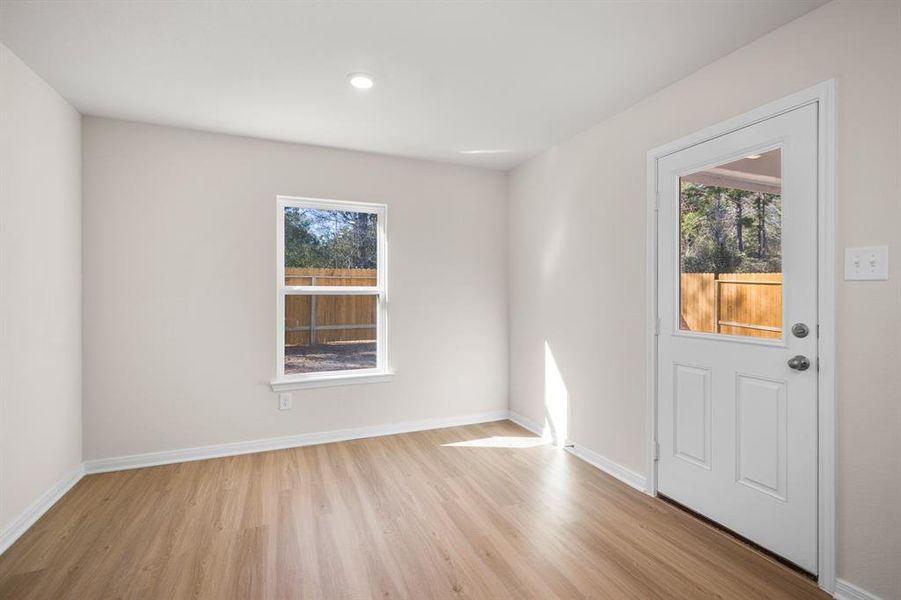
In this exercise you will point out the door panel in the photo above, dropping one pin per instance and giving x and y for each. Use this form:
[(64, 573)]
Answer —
[(737, 230), (760, 435), (691, 436)]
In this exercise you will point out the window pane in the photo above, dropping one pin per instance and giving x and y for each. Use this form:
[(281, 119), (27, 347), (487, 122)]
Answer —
[(336, 247), (329, 333), (730, 233)]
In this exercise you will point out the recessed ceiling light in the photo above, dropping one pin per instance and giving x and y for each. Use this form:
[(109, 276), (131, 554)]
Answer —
[(361, 81), (489, 151), (753, 156)]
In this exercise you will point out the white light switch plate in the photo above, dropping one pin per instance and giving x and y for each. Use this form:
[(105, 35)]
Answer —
[(284, 401), (869, 263)]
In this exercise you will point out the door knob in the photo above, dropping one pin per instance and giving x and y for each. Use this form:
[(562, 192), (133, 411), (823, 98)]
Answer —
[(799, 363)]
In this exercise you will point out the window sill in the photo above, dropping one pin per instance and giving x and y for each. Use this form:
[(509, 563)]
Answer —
[(314, 381)]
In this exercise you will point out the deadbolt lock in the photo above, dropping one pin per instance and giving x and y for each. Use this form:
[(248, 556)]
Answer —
[(800, 330)]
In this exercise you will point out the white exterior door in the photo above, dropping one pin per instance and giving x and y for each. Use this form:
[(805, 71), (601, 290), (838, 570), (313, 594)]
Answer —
[(737, 345)]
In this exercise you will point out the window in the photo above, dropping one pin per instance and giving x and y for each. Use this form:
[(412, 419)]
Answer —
[(331, 293), (730, 239)]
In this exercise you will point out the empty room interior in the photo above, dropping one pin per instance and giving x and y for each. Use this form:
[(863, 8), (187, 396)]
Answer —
[(450, 299)]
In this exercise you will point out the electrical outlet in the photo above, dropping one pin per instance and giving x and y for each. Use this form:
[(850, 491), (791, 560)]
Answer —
[(284, 401), (866, 263)]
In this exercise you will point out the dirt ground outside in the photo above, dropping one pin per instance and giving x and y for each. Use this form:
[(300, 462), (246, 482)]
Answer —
[(334, 356)]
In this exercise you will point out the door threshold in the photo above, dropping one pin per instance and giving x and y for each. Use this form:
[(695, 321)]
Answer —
[(740, 538)]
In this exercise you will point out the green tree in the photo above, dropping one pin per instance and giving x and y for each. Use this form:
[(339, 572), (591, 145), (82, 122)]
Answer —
[(330, 239), (302, 247), (729, 230)]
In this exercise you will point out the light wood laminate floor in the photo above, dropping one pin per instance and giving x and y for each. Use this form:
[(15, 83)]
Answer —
[(404, 516)]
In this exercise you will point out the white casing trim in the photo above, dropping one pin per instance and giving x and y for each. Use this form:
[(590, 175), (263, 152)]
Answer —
[(36, 509), (824, 95), (849, 591), (289, 385), (612, 468), (135, 461)]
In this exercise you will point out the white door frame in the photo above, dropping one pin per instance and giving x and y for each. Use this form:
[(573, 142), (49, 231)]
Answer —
[(822, 94)]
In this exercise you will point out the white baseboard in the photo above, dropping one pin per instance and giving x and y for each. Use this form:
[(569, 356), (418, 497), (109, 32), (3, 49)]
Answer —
[(135, 461), (36, 509), (526, 422), (624, 474), (849, 591), (843, 589), (40, 506)]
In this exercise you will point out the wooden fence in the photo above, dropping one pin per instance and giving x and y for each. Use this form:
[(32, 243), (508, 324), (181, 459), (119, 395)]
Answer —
[(311, 320), (732, 303)]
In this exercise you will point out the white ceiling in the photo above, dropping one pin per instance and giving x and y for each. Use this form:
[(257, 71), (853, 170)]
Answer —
[(450, 76)]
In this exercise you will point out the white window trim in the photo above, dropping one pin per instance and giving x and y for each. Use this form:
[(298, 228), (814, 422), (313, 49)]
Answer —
[(381, 372)]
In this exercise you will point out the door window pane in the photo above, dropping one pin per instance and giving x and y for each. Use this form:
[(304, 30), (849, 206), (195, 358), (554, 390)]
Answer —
[(329, 333), (730, 237)]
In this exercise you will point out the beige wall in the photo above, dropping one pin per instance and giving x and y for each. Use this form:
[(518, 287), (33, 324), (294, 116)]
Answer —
[(40, 288), (179, 288), (577, 242)]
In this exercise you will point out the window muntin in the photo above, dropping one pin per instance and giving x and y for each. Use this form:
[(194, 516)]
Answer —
[(331, 289)]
